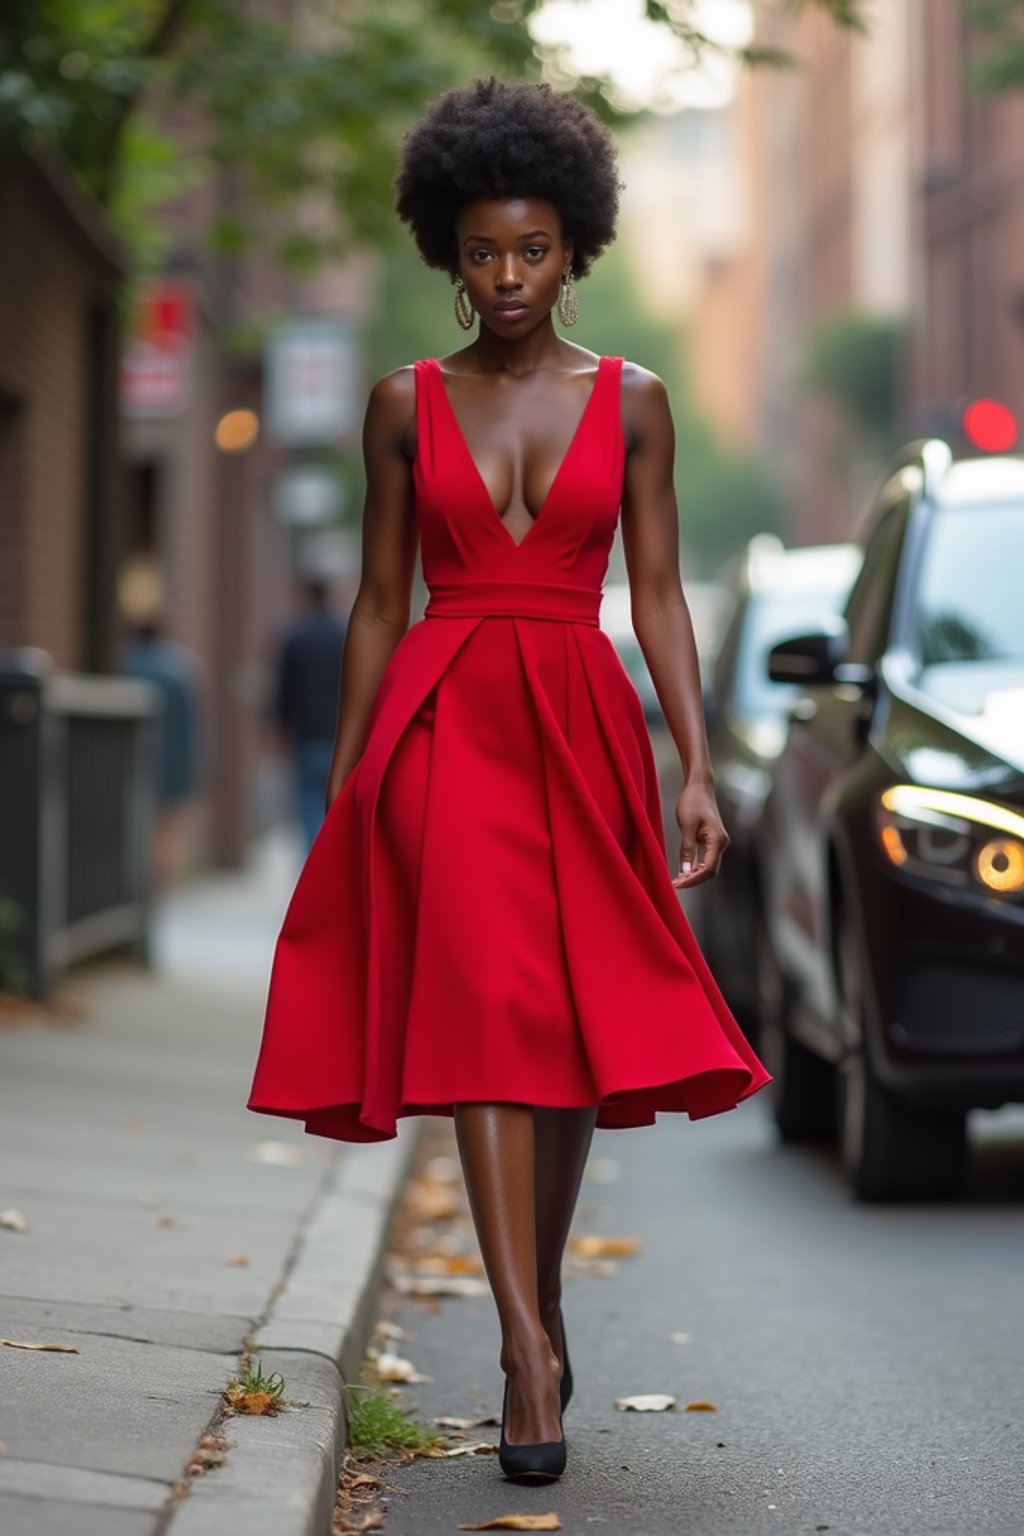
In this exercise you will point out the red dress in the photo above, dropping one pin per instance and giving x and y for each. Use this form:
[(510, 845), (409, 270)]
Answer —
[(487, 910)]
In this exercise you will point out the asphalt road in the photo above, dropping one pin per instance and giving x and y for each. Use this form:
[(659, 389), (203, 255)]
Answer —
[(866, 1363)]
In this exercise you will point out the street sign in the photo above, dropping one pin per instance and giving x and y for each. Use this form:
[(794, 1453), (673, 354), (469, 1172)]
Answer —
[(312, 382), (156, 366)]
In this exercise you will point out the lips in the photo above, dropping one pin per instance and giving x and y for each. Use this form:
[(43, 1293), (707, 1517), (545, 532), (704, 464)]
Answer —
[(513, 308)]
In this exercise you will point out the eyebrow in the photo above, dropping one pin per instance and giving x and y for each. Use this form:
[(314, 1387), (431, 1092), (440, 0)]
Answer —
[(490, 238)]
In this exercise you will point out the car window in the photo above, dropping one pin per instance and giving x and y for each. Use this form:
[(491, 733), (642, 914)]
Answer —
[(869, 610), (769, 618), (968, 604)]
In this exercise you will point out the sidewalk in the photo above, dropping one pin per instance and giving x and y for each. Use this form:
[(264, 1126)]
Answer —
[(167, 1228)]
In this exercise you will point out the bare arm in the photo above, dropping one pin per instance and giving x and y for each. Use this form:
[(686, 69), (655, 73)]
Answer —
[(661, 619), (380, 611)]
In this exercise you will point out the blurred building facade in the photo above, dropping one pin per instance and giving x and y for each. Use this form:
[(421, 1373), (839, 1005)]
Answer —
[(60, 532), (873, 182), (206, 498), (968, 308), (882, 184), (829, 154)]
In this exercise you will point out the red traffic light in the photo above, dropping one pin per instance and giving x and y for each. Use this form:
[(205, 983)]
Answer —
[(990, 426)]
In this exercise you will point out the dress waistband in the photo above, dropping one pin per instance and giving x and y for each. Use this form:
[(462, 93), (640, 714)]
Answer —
[(513, 599)]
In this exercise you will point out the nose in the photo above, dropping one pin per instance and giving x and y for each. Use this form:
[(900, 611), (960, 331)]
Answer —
[(508, 274)]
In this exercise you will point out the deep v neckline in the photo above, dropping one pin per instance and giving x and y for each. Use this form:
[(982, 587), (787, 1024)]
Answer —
[(488, 498)]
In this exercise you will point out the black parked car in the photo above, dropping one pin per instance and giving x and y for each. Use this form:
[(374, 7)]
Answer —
[(891, 954), (774, 592)]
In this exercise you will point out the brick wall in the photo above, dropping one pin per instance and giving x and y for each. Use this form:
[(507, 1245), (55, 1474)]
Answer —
[(55, 273)]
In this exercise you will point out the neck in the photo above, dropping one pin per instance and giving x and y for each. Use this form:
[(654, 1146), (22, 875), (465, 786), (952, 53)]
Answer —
[(542, 348)]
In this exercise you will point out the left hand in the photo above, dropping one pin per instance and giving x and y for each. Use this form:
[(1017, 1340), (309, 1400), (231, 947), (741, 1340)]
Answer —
[(704, 838)]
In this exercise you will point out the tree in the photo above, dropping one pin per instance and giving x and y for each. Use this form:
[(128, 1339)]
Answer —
[(855, 358), (296, 107), (999, 63)]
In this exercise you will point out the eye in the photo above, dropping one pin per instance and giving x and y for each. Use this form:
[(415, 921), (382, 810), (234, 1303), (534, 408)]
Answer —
[(541, 250)]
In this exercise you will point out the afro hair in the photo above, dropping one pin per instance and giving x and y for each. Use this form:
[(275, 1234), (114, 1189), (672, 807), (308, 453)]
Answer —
[(496, 138)]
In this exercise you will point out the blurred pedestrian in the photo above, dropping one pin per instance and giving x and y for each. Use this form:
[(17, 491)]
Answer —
[(306, 698), (150, 653)]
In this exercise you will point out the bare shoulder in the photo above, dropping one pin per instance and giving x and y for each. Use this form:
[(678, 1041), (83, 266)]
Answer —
[(394, 391), (391, 406), (646, 412), (642, 387)]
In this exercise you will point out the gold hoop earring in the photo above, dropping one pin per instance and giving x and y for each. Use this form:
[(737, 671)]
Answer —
[(568, 299), (463, 308)]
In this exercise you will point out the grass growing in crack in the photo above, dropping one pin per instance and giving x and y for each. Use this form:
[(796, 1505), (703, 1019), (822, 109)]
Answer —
[(377, 1424), (252, 1392)]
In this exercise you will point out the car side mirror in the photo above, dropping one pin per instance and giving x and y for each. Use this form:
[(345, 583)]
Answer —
[(810, 661)]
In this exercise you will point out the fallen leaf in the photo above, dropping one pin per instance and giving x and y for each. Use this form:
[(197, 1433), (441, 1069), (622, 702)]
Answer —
[(450, 1423), (63, 1349), (133, 1125), (602, 1170), (603, 1268), (251, 1400), (431, 1200), (238, 1260), (439, 1285), (517, 1523), (279, 1154), (207, 1456), (167, 1221), (646, 1402), (444, 1170), (388, 1330), (394, 1368), (374, 1521), (362, 1480), (463, 1264), (700, 1407), (590, 1246), (471, 1448), (13, 1220)]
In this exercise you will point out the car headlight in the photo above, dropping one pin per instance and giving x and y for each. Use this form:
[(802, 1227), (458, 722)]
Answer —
[(951, 837)]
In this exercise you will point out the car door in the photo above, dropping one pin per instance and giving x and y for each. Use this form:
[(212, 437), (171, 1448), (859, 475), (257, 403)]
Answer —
[(828, 735)]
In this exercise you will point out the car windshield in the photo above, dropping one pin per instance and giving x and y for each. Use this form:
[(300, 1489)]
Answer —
[(772, 617), (969, 606)]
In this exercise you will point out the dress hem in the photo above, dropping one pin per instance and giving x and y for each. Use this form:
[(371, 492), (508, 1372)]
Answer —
[(344, 1121)]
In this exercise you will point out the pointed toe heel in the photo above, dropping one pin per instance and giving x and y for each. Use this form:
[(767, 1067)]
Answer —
[(565, 1385), (541, 1462)]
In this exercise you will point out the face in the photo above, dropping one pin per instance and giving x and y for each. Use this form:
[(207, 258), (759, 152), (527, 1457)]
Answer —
[(511, 255)]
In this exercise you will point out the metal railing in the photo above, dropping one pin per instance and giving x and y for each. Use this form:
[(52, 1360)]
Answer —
[(78, 785)]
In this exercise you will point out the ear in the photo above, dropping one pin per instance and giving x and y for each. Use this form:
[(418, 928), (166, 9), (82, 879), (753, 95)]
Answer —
[(567, 255)]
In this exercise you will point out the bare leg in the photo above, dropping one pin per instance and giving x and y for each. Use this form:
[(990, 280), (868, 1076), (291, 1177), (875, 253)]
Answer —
[(563, 1138), (496, 1145)]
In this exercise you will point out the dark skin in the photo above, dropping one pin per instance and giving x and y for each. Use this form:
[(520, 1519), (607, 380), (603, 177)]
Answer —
[(518, 391)]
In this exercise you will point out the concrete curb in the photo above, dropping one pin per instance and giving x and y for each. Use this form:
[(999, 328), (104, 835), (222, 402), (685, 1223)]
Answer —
[(281, 1471)]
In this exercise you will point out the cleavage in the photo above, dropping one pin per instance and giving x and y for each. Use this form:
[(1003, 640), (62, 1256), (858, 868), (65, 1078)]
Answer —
[(492, 466)]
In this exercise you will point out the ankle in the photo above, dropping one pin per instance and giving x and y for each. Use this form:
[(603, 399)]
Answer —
[(527, 1353)]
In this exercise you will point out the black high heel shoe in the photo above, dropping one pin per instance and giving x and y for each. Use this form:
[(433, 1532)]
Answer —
[(541, 1462), (565, 1385)]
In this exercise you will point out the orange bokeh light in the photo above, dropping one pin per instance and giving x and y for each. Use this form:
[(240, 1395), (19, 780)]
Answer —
[(236, 431)]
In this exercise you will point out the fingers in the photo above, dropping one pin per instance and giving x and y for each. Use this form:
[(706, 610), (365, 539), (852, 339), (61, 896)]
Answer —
[(700, 855)]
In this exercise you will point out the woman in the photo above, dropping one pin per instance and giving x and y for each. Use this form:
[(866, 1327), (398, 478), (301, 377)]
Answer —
[(486, 926)]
